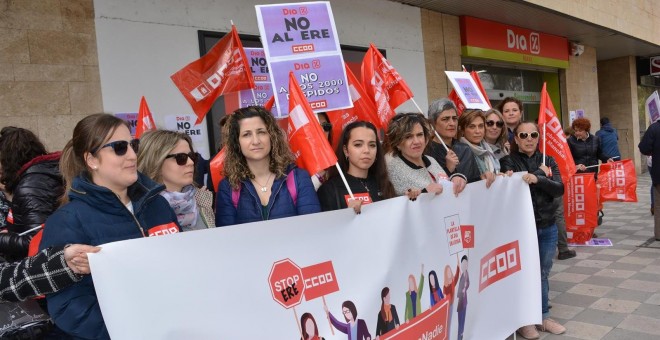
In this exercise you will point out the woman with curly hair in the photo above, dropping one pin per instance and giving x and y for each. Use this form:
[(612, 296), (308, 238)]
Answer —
[(31, 175), (412, 172), (362, 160), (585, 147), (168, 157), (261, 182)]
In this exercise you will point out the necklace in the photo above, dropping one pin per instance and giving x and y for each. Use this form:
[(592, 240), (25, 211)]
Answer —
[(264, 188)]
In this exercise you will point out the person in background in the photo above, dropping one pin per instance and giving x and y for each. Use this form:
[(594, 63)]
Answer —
[(585, 147), (609, 139), (319, 178), (31, 176), (361, 158), (410, 171), (564, 253), (471, 131), (496, 135), (650, 146), (107, 200), (544, 185), (168, 158), (512, 111), (458, 159), (48, 271), (261, 178)]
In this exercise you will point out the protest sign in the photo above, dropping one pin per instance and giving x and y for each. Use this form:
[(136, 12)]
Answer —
[(652, 107), (185, 123), (263, 88), (468, 90), (130, 118)]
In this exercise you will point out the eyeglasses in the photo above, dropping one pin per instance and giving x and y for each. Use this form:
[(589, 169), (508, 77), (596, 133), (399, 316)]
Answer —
[(182, 158), (327, 127), (499, 123), (120, 147), (524, 135)]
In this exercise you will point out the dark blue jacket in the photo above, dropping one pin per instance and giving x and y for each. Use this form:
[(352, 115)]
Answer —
[(609, 140), (95, 216), (280, 203), (650, 146)]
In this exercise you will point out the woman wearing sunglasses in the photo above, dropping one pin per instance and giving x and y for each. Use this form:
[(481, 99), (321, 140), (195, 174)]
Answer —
[(261, 182), (361, 158), (167, 157), (410, 171), (107, 200), (443, 117), (544, 185), (471, 131), (496, 135)]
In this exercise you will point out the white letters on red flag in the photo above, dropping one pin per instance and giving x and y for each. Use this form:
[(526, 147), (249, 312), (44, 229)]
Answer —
[(553, 137), (618, 181), (580, 207), (363, 108), (145, 121), (383, 84), (306, 138), (222, 70)]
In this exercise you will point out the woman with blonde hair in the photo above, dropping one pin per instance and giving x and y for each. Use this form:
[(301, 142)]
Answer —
[(496, 135), (108, 201), (471, 131), (168, 158), (261, 181)]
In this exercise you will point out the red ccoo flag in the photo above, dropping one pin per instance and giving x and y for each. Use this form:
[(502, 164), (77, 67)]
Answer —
[(306, 138), (553, 138), (222, 70), (453, 96), (145, 121), (363, 109), (217, 168), (383, 84)]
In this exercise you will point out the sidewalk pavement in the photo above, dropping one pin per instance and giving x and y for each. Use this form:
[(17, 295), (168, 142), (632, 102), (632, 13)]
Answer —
[(612, 292)]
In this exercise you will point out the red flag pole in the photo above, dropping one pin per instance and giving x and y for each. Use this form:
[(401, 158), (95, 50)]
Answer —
[(544, 139)]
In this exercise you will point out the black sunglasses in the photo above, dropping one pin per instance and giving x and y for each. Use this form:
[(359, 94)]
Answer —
[(499, 123), (120, 147), (524, 135), (327, 127), (182, 158)]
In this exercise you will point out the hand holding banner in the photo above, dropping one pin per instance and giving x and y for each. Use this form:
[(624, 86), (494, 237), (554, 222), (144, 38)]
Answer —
[(222, 70), (145, 120)]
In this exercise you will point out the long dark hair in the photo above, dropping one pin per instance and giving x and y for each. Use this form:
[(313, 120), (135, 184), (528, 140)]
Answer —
[(435, 280), (304, 319), (17, 147), (378, 170), (383, 294)]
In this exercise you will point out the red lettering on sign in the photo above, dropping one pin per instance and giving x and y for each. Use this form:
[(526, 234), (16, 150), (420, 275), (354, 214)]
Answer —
[(302, 48)]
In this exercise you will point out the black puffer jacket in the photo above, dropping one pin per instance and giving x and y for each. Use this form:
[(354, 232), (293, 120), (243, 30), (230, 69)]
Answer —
[(543, 192), (36, 196), (587, 152)]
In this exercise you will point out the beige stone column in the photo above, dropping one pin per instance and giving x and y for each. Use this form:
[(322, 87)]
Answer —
[(441, 36), (617, 90), (579, 87)]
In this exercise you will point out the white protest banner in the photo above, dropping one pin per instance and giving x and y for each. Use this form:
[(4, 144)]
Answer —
[(302, 37), (216, 283), (467, 90)]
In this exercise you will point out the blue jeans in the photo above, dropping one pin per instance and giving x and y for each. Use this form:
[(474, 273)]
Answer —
[(547, 238)]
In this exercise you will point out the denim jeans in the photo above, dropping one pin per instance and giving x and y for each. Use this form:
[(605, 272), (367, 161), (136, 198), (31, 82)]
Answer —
[(547, 238)]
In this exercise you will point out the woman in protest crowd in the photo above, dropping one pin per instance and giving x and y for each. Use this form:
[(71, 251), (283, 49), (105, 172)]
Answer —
[(361, 158), (457, 157), (261, 182), (585, 147), (545, 185), (496, 135), (414, 296), (356, 329), (108, 200), (47, 272), (32, 177), (168, 158), (434, 286), (319, 178), (410, 171), (310, 330), (512, 111), (388, 318), (471, 131)]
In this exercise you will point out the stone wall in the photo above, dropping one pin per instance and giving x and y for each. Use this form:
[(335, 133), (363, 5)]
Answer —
[(579, 86), (49, 76), (441, 35)]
